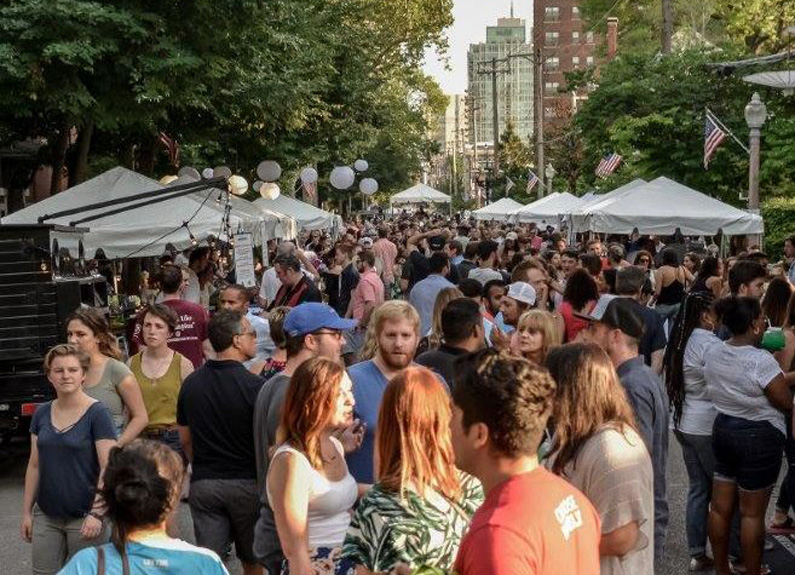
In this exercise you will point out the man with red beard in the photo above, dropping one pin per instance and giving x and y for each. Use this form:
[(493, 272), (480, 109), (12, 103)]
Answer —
[(397, 331)]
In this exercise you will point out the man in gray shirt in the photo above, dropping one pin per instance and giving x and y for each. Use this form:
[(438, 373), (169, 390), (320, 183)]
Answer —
[(312, 330), (617, 326)]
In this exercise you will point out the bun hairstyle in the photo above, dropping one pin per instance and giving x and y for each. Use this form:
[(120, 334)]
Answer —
[(738, 313), (141, 486)]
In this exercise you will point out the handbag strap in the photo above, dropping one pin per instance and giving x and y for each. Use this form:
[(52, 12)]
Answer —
[(125, 562)]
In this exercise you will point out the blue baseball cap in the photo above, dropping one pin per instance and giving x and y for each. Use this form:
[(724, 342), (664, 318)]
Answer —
[(313, 316)]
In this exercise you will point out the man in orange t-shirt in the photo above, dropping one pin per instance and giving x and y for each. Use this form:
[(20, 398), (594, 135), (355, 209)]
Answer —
[(532, 522)]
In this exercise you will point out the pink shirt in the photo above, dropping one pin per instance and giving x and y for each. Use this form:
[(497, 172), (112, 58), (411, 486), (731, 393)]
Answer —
[(369, 289), (387, 251)]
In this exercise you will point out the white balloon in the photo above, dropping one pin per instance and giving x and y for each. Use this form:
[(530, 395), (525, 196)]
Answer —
[(342, 177), (222, 172), (207, 173), (189, 172), (257, 186), (269, 191), (269, 171), (361, 165), (308, 176), (238, 185), (368, 186)]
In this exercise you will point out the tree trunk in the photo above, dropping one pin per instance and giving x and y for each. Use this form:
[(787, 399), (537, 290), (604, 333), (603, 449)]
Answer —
[(78, 175), (59, 158), (667, 25)]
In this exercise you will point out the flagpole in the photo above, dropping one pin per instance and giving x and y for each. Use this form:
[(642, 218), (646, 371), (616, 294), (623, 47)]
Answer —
[(723, 127)]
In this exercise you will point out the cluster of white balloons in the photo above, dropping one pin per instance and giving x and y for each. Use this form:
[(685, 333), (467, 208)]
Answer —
[(269, 172)]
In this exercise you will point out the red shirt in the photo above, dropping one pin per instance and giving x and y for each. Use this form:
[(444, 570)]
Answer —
[(532, 524), (191, 330)]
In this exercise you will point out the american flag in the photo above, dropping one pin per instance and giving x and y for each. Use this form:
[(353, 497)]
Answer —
[(713, 136), (310, 193), (608, 165), (532, 180), (171, 147)]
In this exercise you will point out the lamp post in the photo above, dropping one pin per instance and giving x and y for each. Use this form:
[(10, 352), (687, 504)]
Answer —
[(755, 116)]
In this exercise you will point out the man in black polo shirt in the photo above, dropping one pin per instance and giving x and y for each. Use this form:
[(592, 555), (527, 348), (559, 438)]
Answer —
[(462, 328), (215, 415)]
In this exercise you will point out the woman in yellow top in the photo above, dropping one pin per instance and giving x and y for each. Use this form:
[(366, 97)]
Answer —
[(160, 372)]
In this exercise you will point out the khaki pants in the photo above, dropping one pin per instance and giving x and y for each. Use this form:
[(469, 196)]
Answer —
[(56, 540)]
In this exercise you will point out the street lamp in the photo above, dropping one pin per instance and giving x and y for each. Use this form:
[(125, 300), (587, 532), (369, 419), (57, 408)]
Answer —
[(755, 116)]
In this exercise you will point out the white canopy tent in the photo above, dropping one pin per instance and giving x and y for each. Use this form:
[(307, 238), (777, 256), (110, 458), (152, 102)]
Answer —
[(499, 210), (271, 224), (662, 206), (306, 216), (575, 220), (548, 209), (139, 232), (420, 193)]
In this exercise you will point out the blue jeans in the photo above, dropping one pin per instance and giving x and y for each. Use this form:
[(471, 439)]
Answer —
[(700, 465)]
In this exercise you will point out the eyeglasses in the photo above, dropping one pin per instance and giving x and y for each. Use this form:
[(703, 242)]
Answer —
[(334, 334), (251, 333)]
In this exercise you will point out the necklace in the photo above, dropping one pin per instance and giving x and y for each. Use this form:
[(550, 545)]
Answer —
[(157, 367)]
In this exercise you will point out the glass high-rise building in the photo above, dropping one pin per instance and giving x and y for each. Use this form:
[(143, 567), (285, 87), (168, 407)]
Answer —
[(514, 83)]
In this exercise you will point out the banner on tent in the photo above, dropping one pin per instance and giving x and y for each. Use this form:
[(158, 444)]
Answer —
[(244, 260)]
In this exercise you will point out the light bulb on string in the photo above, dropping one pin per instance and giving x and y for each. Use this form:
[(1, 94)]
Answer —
[(193, 241)]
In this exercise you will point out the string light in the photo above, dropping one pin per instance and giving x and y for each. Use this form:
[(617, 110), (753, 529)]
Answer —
[(193, 240)]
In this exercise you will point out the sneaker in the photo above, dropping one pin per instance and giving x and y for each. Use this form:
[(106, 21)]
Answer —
[(786, 527), (739, 569), (701, 563)]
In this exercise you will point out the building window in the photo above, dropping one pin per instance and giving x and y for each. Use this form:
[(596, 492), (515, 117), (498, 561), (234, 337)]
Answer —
[(575, 37), (589, 37), (551, 14), (551, 38), (575, 12), (551, 87), (575, 61), (553, 63), (589, 61), (549, 113)]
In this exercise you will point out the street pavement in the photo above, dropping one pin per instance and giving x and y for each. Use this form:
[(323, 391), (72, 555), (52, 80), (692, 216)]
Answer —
[(15, 554)]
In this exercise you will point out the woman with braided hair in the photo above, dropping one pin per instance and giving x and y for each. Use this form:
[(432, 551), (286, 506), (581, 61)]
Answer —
[(692, 413)]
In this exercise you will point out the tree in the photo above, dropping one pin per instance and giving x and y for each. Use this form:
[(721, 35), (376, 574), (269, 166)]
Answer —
[(651, 111), (516, 158)]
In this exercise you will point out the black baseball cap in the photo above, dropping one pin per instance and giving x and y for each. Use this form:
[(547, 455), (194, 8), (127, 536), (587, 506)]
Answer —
[(620, 313), (436, 243)]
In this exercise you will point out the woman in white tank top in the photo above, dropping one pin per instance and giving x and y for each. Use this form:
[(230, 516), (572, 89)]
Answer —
[(309, 486)]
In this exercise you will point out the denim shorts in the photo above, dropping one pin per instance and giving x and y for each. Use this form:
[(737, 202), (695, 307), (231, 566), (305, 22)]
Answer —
[(747, 452)]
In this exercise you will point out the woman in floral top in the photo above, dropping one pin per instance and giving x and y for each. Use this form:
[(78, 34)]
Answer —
[(421, 505)]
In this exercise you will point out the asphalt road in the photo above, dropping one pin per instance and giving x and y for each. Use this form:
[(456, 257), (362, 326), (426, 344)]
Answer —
[(15, 553)]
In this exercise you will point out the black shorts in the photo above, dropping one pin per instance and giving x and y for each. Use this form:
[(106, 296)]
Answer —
[(747, 452), (224, 511)]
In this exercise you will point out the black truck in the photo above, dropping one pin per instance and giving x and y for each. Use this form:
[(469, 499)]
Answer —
[(43, 278)]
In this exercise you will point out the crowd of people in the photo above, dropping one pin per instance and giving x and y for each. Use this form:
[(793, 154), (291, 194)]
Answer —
[(424, 395)]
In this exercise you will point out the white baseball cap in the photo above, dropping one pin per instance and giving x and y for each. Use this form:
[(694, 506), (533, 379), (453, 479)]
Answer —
[(523, 292)]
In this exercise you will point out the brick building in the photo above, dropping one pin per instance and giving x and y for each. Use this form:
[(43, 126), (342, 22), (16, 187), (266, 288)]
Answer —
[(566, 45)]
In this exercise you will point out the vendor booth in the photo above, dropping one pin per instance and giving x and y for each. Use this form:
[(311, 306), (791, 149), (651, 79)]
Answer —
[(419, 194), (145, 228), (548, 209), (662, 206), (499, 210), (306, 216)]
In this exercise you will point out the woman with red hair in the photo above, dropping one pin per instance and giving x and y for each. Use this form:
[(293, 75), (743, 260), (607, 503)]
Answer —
[(309, 486), (420, 506)]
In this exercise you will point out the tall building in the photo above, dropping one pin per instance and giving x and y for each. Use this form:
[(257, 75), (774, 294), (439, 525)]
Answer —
[(451, 135), (566, 45), (514, 81)]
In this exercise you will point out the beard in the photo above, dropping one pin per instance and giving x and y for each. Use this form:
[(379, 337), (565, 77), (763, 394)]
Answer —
[(396, 361)]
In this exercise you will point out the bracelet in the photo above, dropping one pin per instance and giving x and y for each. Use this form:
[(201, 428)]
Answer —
[(95, 515)]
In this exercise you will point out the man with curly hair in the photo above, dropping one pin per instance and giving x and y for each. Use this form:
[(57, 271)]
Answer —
[(532, 522)]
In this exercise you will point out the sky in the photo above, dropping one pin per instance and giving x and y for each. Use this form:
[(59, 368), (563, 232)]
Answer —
[(471, 19)]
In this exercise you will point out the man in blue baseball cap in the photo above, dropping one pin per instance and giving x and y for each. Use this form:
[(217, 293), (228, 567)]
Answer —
[(312, 330)]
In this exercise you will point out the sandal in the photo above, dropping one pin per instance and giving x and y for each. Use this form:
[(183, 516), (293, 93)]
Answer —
[(784, 528), (739, 569)]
